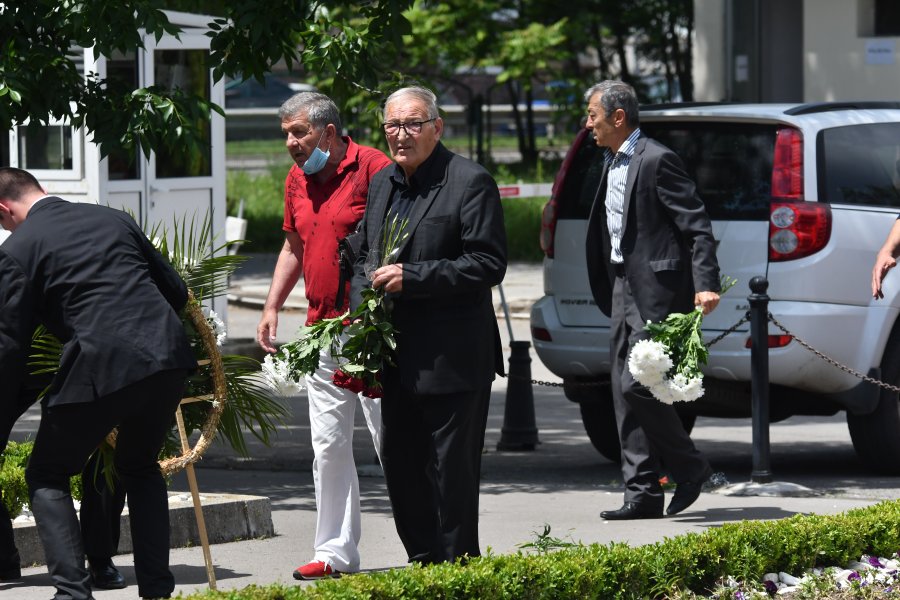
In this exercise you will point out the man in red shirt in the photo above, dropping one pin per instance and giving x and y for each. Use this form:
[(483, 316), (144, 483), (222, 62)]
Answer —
[(324, 198)]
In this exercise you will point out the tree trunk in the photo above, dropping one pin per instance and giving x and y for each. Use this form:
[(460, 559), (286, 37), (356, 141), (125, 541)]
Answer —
[(624, 74), (517, 115), (530, 154), (683, 65)]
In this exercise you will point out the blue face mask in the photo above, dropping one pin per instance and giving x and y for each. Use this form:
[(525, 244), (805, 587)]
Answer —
[(316, 161)]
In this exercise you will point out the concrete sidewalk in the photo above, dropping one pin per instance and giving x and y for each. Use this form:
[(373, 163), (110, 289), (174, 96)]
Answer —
[(563, 483), (522, 286)]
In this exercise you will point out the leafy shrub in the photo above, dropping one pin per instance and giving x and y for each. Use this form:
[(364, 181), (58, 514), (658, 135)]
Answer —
[(693, 562), (13, 489)]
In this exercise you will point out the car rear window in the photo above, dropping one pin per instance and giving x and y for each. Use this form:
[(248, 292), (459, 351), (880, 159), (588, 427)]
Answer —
[(582, 179), (731, 164), (860, 164)]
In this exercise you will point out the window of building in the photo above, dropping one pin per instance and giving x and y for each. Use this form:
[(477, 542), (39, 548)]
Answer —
[(187, 70), (887, 18), (878, 18), (4, 151), (122, 67), (49, 150)]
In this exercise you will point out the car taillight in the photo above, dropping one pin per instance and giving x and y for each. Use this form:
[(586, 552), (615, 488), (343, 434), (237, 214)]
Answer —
[(774, 341), (798, 229), (787, 164), (548, 226), (541, 333)]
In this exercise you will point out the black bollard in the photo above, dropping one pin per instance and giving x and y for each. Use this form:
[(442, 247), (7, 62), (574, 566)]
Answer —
[(519, 431), (759, 378)]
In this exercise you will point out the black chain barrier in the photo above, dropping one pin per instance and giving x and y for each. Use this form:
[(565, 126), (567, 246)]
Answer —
[(604, 383), (719, 338), (832, 361)]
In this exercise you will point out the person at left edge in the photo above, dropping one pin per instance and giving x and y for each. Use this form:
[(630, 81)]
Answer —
[(93, 279), (101, 506)]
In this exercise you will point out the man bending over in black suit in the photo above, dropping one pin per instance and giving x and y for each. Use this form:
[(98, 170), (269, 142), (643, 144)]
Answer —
[(435, 404), (650, 252), (101, 506), (93, 279)]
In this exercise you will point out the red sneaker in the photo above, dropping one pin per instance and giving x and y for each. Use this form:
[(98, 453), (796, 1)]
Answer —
[(315, 570)]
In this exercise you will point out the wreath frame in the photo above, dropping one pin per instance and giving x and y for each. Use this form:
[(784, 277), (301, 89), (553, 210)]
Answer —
[(218, 397)]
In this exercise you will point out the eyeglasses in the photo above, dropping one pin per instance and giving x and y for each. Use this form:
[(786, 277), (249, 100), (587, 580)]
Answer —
[(413, 128)]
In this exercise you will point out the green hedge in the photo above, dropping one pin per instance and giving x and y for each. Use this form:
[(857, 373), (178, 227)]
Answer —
[(744, 550), (263, 197), (13, 489)]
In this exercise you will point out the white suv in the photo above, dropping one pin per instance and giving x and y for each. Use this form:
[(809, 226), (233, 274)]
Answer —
[(802, 194)]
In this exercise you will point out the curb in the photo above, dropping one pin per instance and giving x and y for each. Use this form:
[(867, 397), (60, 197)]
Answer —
[(229, 517), (519, 308)]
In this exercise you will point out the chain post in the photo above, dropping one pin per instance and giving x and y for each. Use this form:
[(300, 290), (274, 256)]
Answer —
[(759, 378), (519, 431)]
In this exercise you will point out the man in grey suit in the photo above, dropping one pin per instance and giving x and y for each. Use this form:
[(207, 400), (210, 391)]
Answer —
[(434, 410), (650, 252), (93, 279)]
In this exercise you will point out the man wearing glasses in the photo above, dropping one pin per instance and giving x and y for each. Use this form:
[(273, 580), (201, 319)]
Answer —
[(436, 398), (324, 199)]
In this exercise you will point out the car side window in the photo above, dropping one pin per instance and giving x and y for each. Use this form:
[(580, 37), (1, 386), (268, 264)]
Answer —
[(860, 164)]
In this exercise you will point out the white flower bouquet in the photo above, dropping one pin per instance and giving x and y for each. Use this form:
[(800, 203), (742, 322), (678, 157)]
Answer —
[(668, 364)]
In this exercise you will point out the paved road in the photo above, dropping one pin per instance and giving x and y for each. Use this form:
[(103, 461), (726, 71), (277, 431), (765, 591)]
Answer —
[(563, 483)]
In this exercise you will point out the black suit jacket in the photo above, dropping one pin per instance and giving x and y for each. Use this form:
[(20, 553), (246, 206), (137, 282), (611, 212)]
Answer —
[(93, 279), (667, 245), (448, 340)]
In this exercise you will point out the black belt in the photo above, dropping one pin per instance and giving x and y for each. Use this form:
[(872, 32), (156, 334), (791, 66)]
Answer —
[(619, 269)]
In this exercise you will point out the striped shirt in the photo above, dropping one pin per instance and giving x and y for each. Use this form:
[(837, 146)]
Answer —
[(616, 176)]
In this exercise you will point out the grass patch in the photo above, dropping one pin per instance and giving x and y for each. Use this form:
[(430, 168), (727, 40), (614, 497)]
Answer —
[(263, 197), (523, 228), (275, 149)]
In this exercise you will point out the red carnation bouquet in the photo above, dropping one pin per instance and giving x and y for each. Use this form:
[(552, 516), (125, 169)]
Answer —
[(361, 341)]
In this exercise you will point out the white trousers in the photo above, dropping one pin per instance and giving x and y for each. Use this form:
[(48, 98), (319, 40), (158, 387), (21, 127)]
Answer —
[(331, 415)]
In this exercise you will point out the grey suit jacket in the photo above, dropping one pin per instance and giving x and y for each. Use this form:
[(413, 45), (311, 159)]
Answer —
[(93, 279), (447, 335), (667, 244)]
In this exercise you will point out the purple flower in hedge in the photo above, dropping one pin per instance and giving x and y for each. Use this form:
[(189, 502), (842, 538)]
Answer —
[(854, 576), (771, 587), (739, 595), (875, 561)]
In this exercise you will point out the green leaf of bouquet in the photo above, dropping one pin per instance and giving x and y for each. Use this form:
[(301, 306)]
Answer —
[(250, 406), (354, 329), (352, 368), (390, 341)]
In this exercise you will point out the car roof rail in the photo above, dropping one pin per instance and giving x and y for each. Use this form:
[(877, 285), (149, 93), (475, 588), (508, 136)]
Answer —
[(817, 107), (668, 105)]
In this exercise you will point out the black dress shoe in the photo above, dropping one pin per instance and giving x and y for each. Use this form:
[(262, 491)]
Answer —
[(632, 510), (10, 572), (107, 577), (685, 494)]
